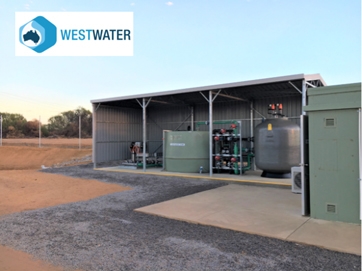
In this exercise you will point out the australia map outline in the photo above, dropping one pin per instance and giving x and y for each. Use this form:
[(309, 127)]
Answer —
[(31, 35)]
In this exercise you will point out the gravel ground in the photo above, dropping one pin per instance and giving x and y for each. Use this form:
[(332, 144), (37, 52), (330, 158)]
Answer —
[(106, 234), (76, 161)]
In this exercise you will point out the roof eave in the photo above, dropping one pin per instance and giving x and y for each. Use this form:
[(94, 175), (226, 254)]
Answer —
[(214, 87)]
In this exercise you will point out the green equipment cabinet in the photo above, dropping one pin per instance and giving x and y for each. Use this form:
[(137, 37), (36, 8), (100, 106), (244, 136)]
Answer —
[(333, 119)]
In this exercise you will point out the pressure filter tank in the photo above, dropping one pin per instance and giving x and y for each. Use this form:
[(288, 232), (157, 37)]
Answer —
[(277, 146)]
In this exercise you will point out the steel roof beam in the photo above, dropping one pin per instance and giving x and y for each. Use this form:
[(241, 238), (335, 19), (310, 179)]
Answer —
[(229, 96), (256, 111), (97, 106), (203, 95), (309, 84), (216, 94), (296, 87), (160, 102)]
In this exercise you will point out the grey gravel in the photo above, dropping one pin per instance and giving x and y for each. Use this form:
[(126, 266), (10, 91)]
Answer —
[(106, 234), (74, 161)]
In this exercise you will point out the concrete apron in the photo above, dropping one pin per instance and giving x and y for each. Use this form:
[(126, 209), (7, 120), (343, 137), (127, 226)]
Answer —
[(263, 211), (250, 177), (256, 208)]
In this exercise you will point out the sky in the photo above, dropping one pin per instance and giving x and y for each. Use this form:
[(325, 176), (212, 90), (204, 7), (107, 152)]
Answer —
[(181, 44)]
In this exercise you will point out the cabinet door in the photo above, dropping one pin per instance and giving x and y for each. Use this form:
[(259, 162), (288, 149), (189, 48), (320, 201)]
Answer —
[(304, 151)]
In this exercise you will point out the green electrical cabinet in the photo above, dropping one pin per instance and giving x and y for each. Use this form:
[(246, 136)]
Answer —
[(333, 152)]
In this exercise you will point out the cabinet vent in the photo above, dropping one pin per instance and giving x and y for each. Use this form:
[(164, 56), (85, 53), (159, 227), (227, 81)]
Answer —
[(330, 123), (331, 208)]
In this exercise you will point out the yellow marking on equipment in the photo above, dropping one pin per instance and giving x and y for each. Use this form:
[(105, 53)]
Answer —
[(270, 127)]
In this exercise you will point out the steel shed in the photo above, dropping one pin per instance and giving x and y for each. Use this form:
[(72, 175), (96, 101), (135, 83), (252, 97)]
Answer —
[(119, 121)]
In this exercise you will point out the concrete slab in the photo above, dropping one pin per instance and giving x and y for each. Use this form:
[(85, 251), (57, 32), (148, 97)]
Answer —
[(338, 236), (258, 210)]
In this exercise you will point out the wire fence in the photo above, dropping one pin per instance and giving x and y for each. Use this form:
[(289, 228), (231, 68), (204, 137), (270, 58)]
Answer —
[(49, 142)]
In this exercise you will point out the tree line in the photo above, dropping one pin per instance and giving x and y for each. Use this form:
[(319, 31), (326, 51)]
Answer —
[(66, 124)]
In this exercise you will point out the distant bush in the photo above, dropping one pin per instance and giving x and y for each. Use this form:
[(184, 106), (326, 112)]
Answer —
[(44, 131), (14, 133), (64, 125), (13, 125), (67, 123), (32, 128)]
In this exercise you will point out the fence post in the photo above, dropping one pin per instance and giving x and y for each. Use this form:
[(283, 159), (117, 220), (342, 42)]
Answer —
[(80, 130), (39, 132), (1, 130)]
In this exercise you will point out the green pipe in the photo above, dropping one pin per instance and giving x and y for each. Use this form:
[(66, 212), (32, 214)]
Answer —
[(236, 152), (199, 123), (248, 167), (225, 122), (236, 149)]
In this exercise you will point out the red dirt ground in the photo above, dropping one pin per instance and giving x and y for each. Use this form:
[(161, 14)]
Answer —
[(24, 188), (86, 143), (13, 260), (23, 157)]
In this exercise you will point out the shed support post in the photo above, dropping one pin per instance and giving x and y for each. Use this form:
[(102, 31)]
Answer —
[(144, 105), (144, 132), (210, 131), (94, 135), (360, 157), (304, 96), (192, 118), (240, 149), (251, 132)]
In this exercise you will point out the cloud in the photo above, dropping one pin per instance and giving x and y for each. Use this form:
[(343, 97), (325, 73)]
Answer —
[(27, 6), (169, 3), (133, 4)]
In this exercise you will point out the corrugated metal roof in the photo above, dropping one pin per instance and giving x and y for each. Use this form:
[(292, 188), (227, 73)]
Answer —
[(245, 90)]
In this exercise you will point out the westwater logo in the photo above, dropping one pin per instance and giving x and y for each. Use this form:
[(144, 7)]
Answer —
[(95, 34), (74, 34), (39, 34)]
